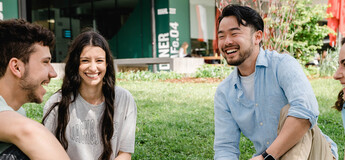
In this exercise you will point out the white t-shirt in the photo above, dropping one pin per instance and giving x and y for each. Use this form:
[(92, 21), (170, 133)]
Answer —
[(181, 53), (83, 133), (248, 85), (5, 107)]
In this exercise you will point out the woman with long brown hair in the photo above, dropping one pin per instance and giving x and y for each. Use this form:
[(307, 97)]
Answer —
[(340, 76), (90, 116)]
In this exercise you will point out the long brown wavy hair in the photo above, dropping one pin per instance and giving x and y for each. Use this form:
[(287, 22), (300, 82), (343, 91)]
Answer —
[(340, 101), (70, 88)]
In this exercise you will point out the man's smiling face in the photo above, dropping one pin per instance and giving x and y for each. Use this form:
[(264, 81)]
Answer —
[(235, 41), (38, 72)]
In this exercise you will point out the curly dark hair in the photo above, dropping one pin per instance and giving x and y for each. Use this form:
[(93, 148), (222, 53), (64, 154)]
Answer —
[(17, 38), (340, 101), (71, 84)]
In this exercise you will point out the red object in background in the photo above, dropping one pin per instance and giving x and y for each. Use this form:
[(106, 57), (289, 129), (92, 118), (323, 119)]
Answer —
[(215, 41), (200, 33), (342, 18), (337, 9)]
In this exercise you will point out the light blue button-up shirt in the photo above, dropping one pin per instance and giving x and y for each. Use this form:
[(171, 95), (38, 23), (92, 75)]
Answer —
[(279, 80)]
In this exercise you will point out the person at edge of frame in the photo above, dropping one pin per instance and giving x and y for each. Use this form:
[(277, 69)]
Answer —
[(24, 69), (340, 76)]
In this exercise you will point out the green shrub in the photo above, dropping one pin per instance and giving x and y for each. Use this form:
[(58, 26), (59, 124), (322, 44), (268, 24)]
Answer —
[(206, 71), (212, 71), (148, 76), (311, 71), (306, 31), (330, 63)]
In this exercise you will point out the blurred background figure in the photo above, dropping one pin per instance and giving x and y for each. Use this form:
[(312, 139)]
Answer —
[(183, 50)]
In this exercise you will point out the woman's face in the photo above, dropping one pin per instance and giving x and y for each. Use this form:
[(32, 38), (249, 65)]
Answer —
[(92, 66), (340, 73)]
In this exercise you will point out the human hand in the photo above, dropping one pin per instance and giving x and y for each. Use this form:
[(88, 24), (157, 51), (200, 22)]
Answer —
[(259, 157)]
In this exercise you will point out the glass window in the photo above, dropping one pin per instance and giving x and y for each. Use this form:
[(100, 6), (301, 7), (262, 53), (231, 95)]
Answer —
[(202, 23), (67, 18)]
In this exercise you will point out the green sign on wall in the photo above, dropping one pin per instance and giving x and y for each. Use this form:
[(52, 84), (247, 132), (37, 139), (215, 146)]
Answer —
[(8, 9), (172, 27), (1, 11)]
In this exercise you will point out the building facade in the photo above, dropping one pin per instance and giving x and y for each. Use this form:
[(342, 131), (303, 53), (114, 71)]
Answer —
[(133, 28)]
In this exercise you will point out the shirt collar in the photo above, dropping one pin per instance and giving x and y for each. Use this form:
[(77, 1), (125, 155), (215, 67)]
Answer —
[(2, 102), (236, 79), (262, 59)]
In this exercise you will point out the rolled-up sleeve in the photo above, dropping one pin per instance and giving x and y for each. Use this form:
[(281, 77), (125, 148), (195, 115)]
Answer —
[(298, 90), (227, 132)]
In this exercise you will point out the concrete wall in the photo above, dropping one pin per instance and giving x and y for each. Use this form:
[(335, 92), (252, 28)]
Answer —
[(187, 65), (59, 69)]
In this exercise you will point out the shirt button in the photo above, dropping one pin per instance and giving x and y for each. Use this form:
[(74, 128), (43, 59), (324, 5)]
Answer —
[(268, 142), (256, 104), (261, 123)]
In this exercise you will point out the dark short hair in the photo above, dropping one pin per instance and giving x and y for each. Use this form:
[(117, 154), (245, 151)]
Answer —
[(17, 38), (343, 41), (245, 16)]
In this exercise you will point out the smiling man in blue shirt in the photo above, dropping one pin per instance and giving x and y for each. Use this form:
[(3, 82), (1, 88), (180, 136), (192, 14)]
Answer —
[(252, 99)]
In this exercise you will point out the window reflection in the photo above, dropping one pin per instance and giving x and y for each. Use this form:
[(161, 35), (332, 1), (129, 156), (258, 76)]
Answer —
[(67, 18)]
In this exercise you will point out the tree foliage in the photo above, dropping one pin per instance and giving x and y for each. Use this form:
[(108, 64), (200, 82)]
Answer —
[(307, 34)]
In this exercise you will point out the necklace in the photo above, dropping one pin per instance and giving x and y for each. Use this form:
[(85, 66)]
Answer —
[(94, 102), (99, 100)]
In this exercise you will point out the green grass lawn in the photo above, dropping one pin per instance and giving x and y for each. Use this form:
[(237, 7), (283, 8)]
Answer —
[(176, 120)]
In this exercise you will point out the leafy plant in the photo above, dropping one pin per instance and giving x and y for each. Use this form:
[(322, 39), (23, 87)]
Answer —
[(148, 76), (330, 63), (311, 71), (307, 34), (211, 71), (206, 71)]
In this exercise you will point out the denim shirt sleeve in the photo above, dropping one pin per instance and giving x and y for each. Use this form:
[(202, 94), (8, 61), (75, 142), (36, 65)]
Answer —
[(227, 132), (298, 90)]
